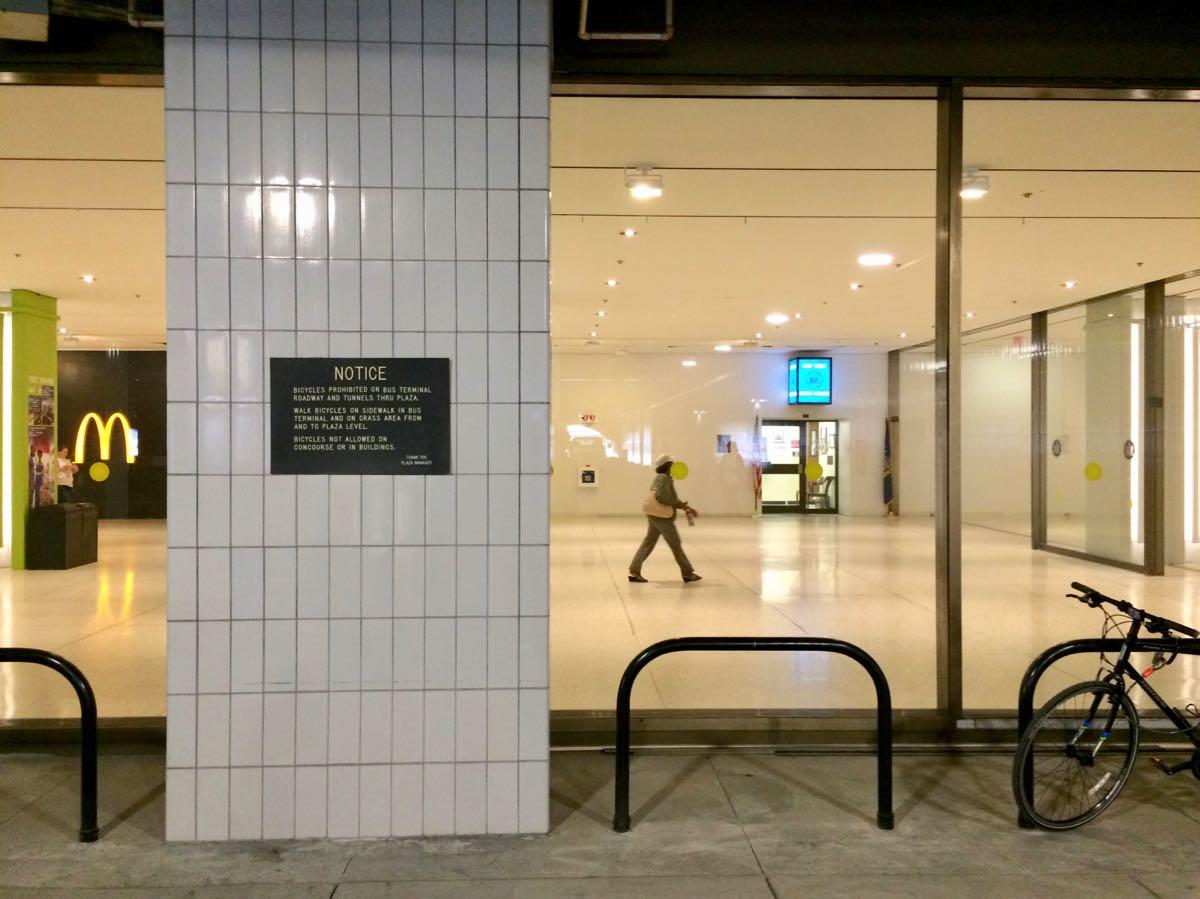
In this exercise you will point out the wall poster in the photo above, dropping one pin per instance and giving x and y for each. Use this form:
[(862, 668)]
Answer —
[(360, 416), (40, 428)]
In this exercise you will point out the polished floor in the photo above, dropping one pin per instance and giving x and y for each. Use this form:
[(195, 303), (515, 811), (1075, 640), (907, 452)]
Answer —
[(110, 619), (870, 581), (722, 826)]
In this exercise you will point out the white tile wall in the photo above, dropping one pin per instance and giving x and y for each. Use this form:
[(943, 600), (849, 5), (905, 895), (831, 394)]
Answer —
[(357, 656)]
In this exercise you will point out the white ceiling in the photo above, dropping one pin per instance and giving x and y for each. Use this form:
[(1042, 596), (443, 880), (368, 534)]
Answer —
[(768, 204), (81, 192)]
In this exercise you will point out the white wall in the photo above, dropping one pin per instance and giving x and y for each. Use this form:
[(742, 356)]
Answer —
[(916, 443), (650, 404), (1066, 422), (357, 656), (996, 432)]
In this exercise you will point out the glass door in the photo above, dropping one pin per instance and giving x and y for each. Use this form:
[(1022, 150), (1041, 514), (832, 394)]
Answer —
[(799, 466), (1094, 401), (781, 484), (820, 466)]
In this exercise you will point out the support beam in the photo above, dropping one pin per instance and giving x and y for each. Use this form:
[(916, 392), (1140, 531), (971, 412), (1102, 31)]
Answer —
[(1037, 444), (947, 390), (1154, 446)]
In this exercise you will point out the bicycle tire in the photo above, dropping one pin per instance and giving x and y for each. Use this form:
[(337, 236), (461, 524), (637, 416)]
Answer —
[(1063, 746)]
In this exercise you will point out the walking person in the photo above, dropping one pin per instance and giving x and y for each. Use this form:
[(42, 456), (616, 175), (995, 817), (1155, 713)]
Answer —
[(65, 476), (660, 507)]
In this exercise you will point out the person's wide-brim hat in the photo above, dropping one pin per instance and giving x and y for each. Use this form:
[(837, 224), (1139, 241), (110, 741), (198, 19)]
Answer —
[(663, 460)]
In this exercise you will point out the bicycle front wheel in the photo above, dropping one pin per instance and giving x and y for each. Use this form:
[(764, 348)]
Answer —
[(1076, 755)]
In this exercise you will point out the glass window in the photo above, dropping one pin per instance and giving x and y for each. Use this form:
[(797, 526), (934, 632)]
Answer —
[(786, 230)]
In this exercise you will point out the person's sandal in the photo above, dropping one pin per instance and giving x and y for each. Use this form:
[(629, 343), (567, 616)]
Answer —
[(637, 579), (691, 578)]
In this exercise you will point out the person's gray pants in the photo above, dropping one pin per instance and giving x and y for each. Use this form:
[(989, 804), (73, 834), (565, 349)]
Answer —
[(665, 528)]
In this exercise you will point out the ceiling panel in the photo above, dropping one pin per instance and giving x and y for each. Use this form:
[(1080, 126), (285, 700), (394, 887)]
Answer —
[(731, 241), (743, 133), (81, 122), (59, 184), (48, 251), (81, 191)]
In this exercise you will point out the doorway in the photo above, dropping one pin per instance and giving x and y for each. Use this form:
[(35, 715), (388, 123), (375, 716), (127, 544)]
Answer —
[(800, 466)]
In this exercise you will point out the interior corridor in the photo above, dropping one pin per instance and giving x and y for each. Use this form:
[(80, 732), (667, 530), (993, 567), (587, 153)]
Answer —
[(869, 581)]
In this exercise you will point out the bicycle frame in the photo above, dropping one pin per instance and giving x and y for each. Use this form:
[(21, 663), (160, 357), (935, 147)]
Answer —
[(1123, 668)]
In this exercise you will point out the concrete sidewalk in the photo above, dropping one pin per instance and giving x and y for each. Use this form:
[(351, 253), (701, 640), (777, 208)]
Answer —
[(721, 825)]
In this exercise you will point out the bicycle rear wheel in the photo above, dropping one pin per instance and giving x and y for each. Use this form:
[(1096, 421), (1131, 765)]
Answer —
[(1076, 755)]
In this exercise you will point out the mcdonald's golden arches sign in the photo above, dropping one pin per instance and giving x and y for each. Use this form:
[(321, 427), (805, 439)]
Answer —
[(104, 431)]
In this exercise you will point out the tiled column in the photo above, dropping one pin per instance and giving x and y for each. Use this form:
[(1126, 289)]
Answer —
[(357, 656)]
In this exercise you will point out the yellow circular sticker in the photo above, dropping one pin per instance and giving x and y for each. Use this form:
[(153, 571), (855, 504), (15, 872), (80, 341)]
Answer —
[(1092, 471), (99, 471), (813, 471), (679, 470)]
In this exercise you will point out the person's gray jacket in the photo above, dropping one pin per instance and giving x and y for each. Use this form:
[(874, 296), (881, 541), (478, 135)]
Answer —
[(664, 491)]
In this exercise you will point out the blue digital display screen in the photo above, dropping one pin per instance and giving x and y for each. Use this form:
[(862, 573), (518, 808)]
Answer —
[(810, 381)]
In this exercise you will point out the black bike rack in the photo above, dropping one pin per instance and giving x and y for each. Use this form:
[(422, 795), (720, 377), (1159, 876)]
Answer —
[(89, 832), (884, 817), (1039, 666)]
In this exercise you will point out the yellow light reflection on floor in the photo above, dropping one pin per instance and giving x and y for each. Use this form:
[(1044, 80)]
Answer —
[(127, 599), (103, 606)]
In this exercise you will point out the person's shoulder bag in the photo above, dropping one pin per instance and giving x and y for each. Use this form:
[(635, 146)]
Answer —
[(652, 507)]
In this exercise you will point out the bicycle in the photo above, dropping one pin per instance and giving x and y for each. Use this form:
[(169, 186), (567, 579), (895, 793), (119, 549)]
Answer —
[(1079, 750)]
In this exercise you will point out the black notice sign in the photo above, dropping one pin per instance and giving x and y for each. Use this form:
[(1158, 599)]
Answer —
[(360, 416)]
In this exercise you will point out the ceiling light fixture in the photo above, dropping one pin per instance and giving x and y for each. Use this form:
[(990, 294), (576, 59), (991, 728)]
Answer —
[(643, 184), (758, 335), (62, 330), (601, 313), (89, 279), (776, 318), (593, 333), (903, 333), (970, 315), (611, 282), (723, 348), (689, 363), (1069, 284), (875, 260), (854, 285), (629, 232), (974, 185)]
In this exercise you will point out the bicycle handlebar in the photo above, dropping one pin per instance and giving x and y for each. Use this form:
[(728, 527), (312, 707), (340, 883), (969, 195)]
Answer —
[(1155, 623)]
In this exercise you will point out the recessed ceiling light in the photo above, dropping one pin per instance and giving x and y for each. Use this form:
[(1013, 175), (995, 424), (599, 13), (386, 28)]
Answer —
[(874, 260), (601, 313), (903, 333), (62, 330), (611, 282), (776, 318), (1068, 284), (629, 232), (642, 184), (593, 333), (854, 285), (689, 363), (758, 335), (723, 348), (798, 315), (974, 185), (970, 315), (89, 279)]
